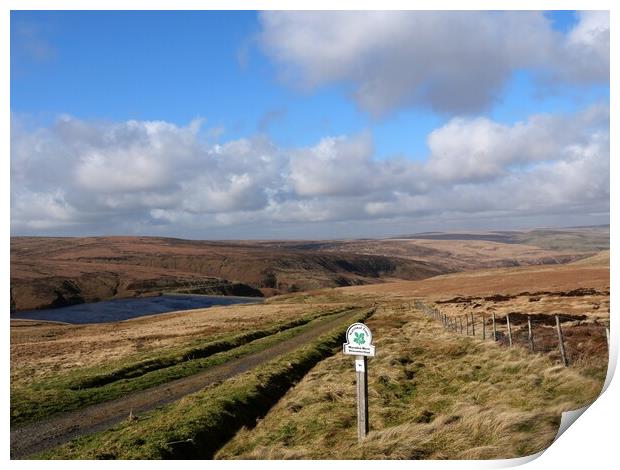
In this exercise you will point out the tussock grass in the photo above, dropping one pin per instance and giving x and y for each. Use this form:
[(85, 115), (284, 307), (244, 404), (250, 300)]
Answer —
[(207, 349), (432, 395), (84, 387), (196, 426)]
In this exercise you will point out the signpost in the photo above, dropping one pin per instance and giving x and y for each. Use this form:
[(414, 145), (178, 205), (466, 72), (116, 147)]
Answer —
[(359, 344)]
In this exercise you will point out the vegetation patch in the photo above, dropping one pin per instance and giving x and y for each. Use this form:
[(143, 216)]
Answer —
[(432, 395), (198, 425), (60, 394), (205, 350)]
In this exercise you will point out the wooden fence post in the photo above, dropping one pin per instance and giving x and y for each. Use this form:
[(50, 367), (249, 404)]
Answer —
[(484, 328), (466, 325), (561, 341), (530, 337), (509, 330), (473, 327), (461, 322), (494, 328)]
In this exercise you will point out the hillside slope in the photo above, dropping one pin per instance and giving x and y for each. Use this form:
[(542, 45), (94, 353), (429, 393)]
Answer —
[(59, 271)]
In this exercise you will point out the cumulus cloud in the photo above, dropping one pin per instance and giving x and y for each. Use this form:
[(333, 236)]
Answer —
[(455, 62), (480, 149), (78, 176)]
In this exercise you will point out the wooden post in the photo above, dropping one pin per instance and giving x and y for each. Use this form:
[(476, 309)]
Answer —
[(466, 325), (561, 341), (484, 328), (494, 328), (530, 338), (473, 327), (509, 330), (461, 322), (361, 371)]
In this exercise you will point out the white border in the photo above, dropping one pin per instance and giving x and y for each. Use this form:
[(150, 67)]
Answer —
[(591, 443)]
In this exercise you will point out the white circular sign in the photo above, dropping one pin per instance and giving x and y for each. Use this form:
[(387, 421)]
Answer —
[(359, 335)]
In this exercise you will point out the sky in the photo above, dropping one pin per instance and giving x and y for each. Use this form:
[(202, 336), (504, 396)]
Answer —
[(275, 124)]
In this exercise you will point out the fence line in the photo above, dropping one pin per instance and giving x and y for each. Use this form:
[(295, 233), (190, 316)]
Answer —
[(536, 332)]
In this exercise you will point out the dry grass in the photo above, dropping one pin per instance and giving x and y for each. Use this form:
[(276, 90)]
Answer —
[(41, 349), (506, 281), (432, 395)]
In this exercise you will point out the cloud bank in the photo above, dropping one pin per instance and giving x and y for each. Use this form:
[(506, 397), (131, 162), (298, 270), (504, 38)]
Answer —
[(85, 177), (452, 62)]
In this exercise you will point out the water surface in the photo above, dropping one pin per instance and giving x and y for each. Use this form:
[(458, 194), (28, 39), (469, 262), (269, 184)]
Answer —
[(124, 309)]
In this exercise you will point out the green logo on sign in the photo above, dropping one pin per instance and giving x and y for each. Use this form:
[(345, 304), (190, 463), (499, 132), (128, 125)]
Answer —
[(359, 338)]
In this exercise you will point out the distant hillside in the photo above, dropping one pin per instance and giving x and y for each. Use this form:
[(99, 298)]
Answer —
[(48, 272), (599, 259), (594, 238)]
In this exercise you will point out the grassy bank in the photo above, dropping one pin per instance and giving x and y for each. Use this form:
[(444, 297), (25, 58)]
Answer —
[(432, 395), (198, 425), (83, 387)]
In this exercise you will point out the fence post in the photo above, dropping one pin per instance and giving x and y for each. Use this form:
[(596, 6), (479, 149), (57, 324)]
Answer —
[(494, 328), (461, 322), (529, 333), (484, 328), (466, 324), (561, 341), (509, 330), (473, 326)]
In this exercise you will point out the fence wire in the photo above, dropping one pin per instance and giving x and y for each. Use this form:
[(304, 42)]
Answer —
[(583, 339)]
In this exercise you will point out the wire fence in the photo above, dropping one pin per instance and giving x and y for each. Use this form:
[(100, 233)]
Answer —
[(569, 339)]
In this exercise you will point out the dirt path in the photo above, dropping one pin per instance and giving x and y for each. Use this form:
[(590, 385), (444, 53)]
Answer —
[(44, 434)]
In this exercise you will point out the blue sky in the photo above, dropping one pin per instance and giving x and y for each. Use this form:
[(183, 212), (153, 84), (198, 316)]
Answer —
[(176, 66), (231, 69)]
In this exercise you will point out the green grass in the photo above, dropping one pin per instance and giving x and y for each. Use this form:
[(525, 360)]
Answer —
[(198, 425), (135, 369), (433, 394), (76, 389)]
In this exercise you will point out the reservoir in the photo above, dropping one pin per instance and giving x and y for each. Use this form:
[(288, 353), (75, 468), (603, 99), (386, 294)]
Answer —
[(124, 309)]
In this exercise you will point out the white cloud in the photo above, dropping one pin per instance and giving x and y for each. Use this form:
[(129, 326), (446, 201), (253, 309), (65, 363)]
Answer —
[(455, 62), (480, 149), (335, 166), (130, 177)]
